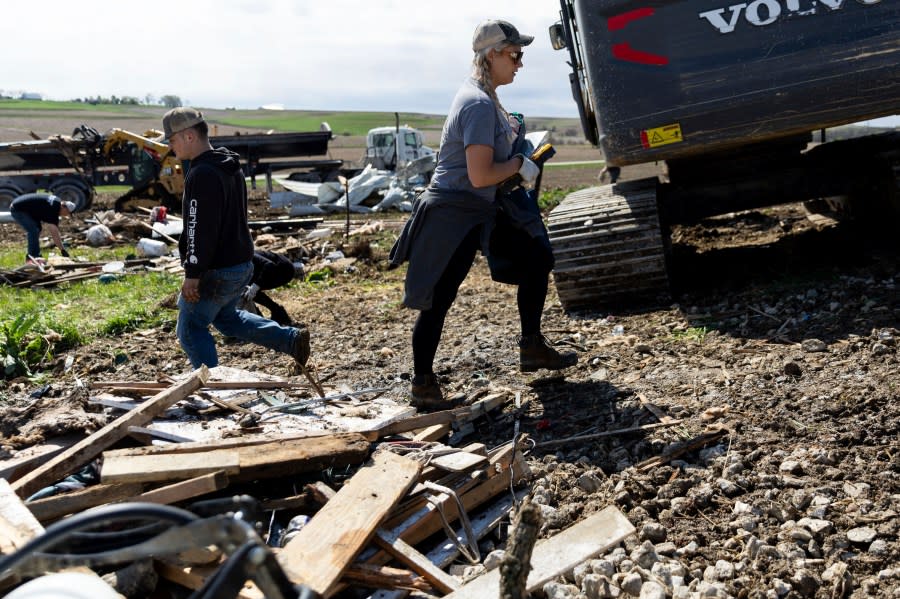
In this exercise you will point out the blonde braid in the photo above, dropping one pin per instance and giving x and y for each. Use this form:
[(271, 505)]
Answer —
[(481, 72)]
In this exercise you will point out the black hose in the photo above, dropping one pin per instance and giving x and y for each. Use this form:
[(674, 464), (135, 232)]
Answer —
[(95, 517)]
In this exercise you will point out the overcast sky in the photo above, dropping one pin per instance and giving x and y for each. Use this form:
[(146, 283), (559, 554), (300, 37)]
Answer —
[(381, 55), (385, 55)]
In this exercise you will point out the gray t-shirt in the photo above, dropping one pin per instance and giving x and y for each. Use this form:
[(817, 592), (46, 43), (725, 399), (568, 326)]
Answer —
[(473, 120)]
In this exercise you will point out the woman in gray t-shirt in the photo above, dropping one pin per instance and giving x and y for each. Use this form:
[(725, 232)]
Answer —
[(453, 218)]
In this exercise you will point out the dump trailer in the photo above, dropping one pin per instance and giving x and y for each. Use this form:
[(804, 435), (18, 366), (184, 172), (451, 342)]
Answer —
[(71, 166), (731, 98)]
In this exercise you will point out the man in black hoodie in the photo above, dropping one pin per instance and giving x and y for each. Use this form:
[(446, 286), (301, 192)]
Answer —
[(216, 249)]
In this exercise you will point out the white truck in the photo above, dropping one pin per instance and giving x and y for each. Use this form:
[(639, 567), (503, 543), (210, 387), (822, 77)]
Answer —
[(392, 148)]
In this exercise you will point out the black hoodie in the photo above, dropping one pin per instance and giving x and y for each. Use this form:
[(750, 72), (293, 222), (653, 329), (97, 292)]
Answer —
[(214, 207)]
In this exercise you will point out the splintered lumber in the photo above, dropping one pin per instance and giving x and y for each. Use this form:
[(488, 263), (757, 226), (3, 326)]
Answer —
[(425, 521), (186, 489), (17, 524), (615, 433), (406, 553), (57, 506), (328, 543), (83, 452), (151, 468), (460, 461), (435, 432), (558, 554), (274, 458), (382, 577), (458, 415)]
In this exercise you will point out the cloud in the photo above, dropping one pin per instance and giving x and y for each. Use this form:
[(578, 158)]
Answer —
[(336, 55)]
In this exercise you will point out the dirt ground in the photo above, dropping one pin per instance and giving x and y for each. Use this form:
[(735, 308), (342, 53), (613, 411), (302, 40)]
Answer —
[(783, 335)]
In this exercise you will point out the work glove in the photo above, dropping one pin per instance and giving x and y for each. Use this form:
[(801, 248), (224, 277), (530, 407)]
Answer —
[(64, 252), (529, 172), (250, 292)]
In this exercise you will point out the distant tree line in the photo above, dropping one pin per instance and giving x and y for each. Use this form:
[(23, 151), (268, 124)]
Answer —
[(168, 100)]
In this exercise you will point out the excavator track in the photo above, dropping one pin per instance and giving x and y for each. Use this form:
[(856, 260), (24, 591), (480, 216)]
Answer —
[(609, 247)]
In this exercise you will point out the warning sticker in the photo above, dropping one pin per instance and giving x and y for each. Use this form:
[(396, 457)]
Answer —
[(661, 136)]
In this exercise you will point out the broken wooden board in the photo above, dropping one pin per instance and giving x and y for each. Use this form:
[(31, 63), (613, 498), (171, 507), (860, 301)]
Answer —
[(186, 489), (83, 452), (268, 459), (459, 461), (155, 468), (329, 542), (17, 524), (406, 553), (558, 554), (456, 415), (57, 506)]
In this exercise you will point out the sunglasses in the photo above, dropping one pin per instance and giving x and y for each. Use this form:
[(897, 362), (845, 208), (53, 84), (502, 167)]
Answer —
[(516, 56)]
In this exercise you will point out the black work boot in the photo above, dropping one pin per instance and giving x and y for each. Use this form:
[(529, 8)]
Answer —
[(535, 353), (300, 351)]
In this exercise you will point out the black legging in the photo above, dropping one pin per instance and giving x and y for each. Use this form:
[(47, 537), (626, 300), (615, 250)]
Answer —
[(427, 331)]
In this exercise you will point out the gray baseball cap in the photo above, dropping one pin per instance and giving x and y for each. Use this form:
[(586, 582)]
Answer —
[(491, 33), (181, 118)]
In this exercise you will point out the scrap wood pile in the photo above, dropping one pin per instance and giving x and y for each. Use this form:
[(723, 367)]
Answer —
[(387, 508), (307, 241)]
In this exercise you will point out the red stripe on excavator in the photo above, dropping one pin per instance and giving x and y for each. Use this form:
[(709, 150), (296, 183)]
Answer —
[(624, 51), (620, 21), (644, 141)]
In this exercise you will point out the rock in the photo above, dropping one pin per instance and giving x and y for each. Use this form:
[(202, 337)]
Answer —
[(712, 589), (589, 482), (880, 349), (667, 548), (780, 587), (632, 584), (879, 547), (653, 532), (645, 555), (861, 535), (791, 368), (652, 590), (791, 466), (804, 583), (728, 487), (689, 550), (493, 559), (813, 346), (595, 586), (555, 590), (857, 490), (603, 567), (816, 526)]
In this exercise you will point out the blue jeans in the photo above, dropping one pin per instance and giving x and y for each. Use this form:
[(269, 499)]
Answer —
[(32, 229), (220, 291)]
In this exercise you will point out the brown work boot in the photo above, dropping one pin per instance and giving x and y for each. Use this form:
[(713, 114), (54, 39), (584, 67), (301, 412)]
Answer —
[(535, 353), (426, 396), (300, 351)]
